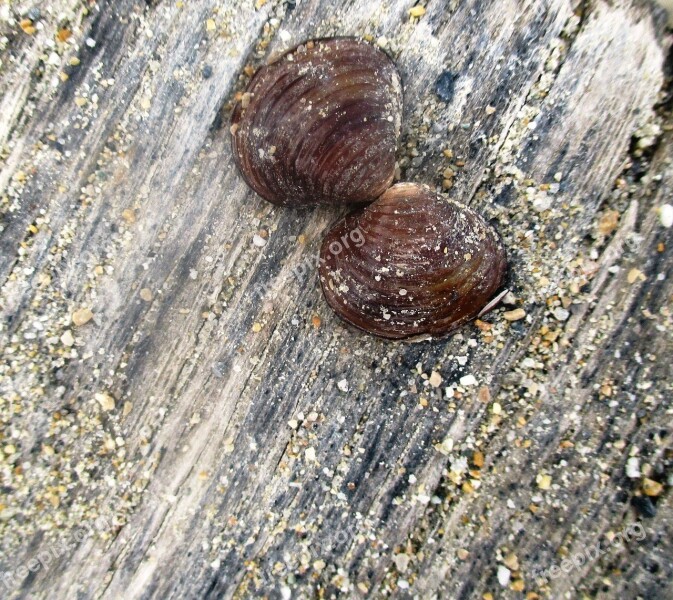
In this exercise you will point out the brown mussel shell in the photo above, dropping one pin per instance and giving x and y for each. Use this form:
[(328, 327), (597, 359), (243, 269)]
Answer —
[(413, 263), (320, 125)]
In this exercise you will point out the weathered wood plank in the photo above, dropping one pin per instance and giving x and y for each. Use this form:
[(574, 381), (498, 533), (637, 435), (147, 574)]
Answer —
[(232, 462)]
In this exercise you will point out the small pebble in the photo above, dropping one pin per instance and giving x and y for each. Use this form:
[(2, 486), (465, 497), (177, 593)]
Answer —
[(34, 14), (207, 71), (635, 275), (644, 506), (416, 11), (468, 380), (401, 562), (27, 26), (511, 562), (652, 488), (561, 314), (666, 215), (106, 401), (82, 316), (478, 459), (67, 338), (435, 379), (514, 315), (509, 298), (446, 446), (343, 385), (504, 575), (543, 481), (258, 241), (633, 467)]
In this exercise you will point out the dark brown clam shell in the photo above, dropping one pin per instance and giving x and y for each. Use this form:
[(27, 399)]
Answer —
[(320, 125), (413, 263)]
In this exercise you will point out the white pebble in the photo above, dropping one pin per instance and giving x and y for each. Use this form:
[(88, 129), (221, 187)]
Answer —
[(459, 464), (447, 445), (633, 467), (258, 241), (467, 380), (401, 562), (343, 385), (106, 401), (561, 314), (542, 203), (503, 576), (666, 215), (67, 338)]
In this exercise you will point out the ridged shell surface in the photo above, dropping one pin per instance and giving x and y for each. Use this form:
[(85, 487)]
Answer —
[(320, 125), (413, 263)]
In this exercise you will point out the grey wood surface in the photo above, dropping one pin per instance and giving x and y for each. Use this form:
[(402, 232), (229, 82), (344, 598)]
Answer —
[(215, 431)]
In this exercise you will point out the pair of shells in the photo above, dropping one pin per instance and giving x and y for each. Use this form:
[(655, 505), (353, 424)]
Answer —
[(320, 125)]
